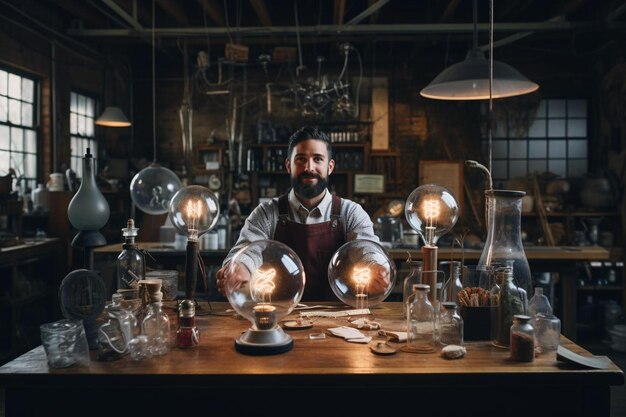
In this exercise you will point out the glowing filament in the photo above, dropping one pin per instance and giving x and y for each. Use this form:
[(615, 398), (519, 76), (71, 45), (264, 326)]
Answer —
[(431, 213), (263, 285), (362, 278), (193, 212)]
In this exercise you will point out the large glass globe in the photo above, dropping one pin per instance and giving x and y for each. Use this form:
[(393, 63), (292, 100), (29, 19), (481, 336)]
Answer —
[(194, 210), (431, 210), (152, 189), (264, 282), (361, 273)]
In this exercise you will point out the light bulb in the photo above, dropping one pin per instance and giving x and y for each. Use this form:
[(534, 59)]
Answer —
[(264, 282), (194, 210), (432, 211), (361, 273), (152, 189)]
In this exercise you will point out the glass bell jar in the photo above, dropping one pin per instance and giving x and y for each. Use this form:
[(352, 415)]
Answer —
[(264, 283), (153, 187), (503, 246), (361, 273)]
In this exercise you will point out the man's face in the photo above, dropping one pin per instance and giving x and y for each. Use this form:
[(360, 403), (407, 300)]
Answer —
[(309, 167)]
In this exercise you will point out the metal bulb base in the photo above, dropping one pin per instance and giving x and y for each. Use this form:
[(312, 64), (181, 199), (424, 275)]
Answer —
[(264, 342)]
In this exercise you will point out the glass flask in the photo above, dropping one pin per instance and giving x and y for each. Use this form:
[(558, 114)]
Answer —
[(187, 334), (156, 327), (522, 339), (414, 277), (452, 285), (420, 321), (450, 325), (504, 240), (117, 332), (131, 264), (152, 188), (511, 300), (539, 303)]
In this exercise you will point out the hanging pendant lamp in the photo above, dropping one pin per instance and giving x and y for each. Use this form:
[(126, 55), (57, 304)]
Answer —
[(113, 117), (469, 79)]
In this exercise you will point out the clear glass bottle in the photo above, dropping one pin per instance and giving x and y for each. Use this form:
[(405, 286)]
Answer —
[(522, 339), (421, 321), (450, 325), (156, 326), (116, 333), (187, 334), (504, 239), (539, 303), (131, 264), (452, 285), (512, 300), (414, 277)]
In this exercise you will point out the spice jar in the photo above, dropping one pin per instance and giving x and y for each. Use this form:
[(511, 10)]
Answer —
[(522, 339), (450, 325)]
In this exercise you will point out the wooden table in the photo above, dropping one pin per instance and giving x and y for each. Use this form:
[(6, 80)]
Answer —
[(561, 259), (318, 377)]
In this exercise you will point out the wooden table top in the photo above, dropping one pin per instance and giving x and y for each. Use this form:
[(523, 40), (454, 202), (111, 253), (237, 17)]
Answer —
[(215, 360)]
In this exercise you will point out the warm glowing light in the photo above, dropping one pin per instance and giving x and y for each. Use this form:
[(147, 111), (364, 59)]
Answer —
[(193, 212), (362, 277), (263, 285)]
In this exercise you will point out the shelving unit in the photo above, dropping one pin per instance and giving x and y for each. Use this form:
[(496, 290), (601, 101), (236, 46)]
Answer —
[(28, 293), (209, 167)]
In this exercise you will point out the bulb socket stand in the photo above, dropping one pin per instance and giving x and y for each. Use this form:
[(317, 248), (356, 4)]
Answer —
[(191, 269)]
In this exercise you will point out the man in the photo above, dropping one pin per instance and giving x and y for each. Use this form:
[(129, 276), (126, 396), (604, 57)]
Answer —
[(309, 219)]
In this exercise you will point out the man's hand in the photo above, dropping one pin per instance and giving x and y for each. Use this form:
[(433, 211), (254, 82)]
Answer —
[(379, 281), (236, 274)]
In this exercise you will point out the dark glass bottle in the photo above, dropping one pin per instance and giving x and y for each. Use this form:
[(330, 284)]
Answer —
[(512, 300), (187, 335)]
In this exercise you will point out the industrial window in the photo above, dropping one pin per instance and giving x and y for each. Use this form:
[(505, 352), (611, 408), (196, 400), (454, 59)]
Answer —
[(82, 130), (556, 142), (18, 127)]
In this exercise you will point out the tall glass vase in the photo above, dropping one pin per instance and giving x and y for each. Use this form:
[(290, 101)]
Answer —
[(503, 246)]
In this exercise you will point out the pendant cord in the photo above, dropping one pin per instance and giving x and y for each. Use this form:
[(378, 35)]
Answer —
[(153, 87), (490, 142)]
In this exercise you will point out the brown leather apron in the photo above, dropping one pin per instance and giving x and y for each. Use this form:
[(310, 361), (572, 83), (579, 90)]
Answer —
[(315, 244)]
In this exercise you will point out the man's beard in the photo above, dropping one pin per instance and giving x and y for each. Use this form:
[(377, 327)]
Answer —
[(308, 190)]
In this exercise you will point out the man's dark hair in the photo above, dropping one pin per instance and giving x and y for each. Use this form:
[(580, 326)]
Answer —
[(309, 132)]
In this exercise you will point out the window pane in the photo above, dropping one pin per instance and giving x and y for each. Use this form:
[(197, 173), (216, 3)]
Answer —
[(15, 115), (27, 114), (73, 103), (4, 83), (81, 125), (499, 170), (558, 167), (577, 108), (17, 139), (557, 149), (577, 149), (517, 149), (5, 162), (30, 166), (28, 90), (556, 128), (517, 169), (4, 137), (89, 111), (81, 105), (577, 128), (89, 127), (538, 149), (542, 110), (4, 109), (537, 129), (556, 108), (576, 168), (15, 86), (73, 124), (499, 149), (30, 141), (537, 165)]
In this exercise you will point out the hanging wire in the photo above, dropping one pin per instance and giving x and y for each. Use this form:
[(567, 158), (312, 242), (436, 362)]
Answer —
[(153, 87), (489, 137), (300, 66)]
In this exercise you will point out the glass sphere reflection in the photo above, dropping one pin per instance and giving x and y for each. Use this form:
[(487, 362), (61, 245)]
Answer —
[(264, 282), (361, 273), (431, 210), (194, 210), (152, 189)]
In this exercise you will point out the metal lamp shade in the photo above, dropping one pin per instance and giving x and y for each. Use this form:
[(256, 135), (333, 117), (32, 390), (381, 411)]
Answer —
[(113, 117)]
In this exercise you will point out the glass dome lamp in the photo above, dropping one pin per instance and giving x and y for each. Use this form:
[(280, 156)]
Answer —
[(193, 211), (432, 211), (153, 187), (264, 283), (361, 273)]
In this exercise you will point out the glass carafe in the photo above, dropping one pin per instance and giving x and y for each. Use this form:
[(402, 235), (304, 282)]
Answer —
[(503, 245)]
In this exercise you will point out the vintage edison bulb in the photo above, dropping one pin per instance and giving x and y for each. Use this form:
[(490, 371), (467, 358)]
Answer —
[(194, 210), (432, 211)]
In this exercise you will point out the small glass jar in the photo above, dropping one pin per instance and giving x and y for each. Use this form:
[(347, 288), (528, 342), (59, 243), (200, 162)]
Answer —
[(450, 325), (421, 321), (522, 339), (187, 335), (156, 327)]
